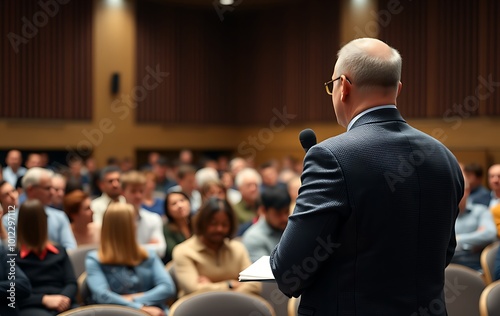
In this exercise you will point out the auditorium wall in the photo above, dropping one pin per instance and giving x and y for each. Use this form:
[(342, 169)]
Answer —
[(114, 131)]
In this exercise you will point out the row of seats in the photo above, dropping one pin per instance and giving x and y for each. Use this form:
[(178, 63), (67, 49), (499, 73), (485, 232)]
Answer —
[(465, 288)]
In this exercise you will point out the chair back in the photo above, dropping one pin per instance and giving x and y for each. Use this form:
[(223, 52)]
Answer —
[(463, 288), (84, 296), (221, 303), (293, 306), (488, 256), (104, 310), (489, 304), (77, 257), (279, 301)]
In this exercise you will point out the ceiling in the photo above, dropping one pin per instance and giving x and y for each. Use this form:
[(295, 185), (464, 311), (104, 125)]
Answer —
[(237, 3)]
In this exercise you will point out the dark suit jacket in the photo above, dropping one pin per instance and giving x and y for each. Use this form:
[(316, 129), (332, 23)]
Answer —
[(373, 227)]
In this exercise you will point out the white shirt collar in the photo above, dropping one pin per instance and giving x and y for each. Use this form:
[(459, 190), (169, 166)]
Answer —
[(351, 123)]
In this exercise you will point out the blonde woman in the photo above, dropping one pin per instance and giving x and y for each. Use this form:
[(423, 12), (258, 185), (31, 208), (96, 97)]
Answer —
[(46, 265), (122, 272)]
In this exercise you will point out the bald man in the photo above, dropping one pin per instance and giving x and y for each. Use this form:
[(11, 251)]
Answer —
[(494, 181), (373, 227)]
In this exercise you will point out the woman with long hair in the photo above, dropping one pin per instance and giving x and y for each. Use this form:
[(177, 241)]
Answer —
[(121, 271), (178, 227), (46, 265)]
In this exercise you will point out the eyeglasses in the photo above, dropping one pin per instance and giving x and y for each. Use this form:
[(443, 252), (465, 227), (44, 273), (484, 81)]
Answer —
[(329, 84)]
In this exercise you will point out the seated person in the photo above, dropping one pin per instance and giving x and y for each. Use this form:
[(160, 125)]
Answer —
[(37, 183), (76, 205), (261, 238), (149, 225), (178, 228), (474, 229), (13, 289), (46, 265), (150, 202), (121, 271), (210, 260)]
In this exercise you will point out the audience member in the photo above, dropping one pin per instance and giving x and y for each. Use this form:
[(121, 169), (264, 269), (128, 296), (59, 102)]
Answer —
[(152, 161), (494, 181), (33, 160), (77, 173), (233, 195), (161, 170), (269, 173), (205, 174), (14, 169), (37, 183), (8, 201), (109, 184), (13, 290), (474, 229), (236, 165), (213, 188), (150, 202), (478, 193), (248, 182), (210, 260), (76, 205), (293, 186), (186, 183), (58, 189), (261, 238), (178, 228), (46, 265), (186, 157), (122, 272), (149, 225)]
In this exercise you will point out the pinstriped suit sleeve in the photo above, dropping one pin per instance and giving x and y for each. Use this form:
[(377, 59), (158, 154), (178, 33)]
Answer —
[(309, 239)]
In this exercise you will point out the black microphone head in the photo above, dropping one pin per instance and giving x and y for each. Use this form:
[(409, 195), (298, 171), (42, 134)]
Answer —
[(307, 138)]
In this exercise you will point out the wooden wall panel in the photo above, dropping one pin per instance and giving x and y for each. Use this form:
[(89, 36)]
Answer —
[(491, 55), (46, 60), (238, 70), (407, 32), (457, 54), (186, 43), (449, 48)]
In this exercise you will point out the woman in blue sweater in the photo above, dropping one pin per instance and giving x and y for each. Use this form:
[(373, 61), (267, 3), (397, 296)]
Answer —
[(123, 273)]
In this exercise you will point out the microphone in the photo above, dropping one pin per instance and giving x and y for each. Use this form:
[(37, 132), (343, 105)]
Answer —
[(307, 139)]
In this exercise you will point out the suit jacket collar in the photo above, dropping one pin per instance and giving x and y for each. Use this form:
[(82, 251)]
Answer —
[(379, 116)]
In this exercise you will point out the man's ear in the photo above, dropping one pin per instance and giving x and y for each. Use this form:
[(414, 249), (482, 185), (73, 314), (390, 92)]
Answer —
[(400, 86), (345, 88)]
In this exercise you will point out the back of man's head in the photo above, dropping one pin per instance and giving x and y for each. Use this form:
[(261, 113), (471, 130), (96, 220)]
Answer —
[(370, 63)]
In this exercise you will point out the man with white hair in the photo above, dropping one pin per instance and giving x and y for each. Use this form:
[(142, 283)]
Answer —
[(248, 182), (37, 183)]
